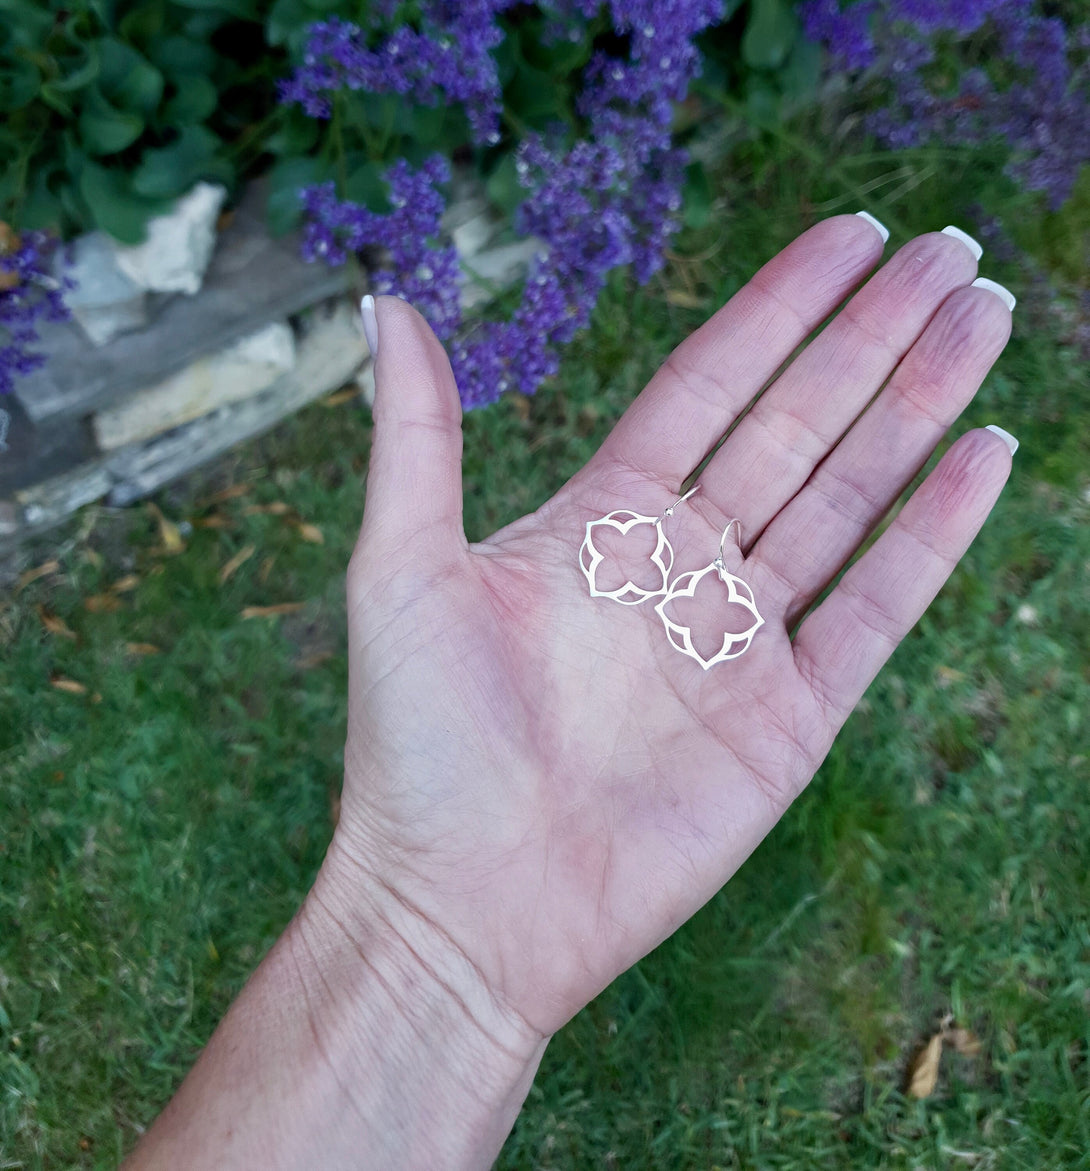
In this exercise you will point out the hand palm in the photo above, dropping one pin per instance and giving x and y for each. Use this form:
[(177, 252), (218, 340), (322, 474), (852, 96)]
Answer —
[(540, 772)]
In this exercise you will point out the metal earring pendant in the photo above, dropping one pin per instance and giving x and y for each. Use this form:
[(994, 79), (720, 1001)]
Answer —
[(684, 586), (623, 520)]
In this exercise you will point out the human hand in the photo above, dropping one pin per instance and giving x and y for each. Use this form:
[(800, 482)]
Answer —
[(539, 788)]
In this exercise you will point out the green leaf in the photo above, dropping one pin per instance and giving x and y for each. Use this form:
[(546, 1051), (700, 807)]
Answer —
[(426, 123), (127, 78), (534, 94), (244, 9), (26, 23), (559, 59), (174, 169), (802, 73), (104, 129), (697, 196), (366, 185), (195, 100), (114, 206), (19, 84), (283, 208), (179, 56), (503, 187), (42, 208), (142, 23), (296, 134), (770, 33), (77, 76), (287, 23)]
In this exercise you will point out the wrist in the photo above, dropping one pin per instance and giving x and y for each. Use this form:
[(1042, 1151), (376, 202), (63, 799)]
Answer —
[(409, 1029)]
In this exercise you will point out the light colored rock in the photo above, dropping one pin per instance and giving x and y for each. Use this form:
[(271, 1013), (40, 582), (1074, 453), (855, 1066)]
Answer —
[(237, 372), (179, 245), (496, 269), (105, 301), (365, 381), (10, 519), (329, 351), (470, 237), (54, 499)]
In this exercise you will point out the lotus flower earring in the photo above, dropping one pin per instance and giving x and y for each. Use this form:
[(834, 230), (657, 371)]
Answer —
[(684, 586), (623, 521)]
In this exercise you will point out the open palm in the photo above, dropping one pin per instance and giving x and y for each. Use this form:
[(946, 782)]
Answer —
[(538, 774)]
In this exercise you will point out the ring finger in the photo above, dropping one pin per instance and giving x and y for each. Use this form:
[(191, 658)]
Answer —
[(809, 541)]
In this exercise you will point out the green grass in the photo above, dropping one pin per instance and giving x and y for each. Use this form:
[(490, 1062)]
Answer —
[(159, 830)]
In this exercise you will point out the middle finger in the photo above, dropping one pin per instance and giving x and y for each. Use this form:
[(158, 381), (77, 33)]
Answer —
[(801, 417)]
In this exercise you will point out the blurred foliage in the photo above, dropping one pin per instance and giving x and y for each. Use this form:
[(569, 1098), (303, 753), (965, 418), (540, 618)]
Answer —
[(111, 108)]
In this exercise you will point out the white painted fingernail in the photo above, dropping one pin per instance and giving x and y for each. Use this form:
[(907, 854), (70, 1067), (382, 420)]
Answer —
[(370, 324), (1005, 295), (965, 238), (1006, 436), (879, 227)]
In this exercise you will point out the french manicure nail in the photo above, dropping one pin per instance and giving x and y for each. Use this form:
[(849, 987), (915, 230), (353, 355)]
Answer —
[(965, 238), (1005, 295), (1006, 436), (880, 227), (370, 324)]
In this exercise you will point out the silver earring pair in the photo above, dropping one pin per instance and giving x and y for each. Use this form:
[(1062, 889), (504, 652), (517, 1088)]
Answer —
[(683, 586)]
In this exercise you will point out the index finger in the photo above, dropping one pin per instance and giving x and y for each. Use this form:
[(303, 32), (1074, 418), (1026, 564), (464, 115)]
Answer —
[(712, 376)]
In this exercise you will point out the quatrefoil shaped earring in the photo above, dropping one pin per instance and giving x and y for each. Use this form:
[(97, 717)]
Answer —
[(684, 586), (623, 521)]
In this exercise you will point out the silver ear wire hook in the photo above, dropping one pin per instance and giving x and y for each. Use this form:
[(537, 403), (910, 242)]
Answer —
[(680, 500), (718, 562)]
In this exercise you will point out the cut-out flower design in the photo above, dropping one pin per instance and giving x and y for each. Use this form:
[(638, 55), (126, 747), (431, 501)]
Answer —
[(681, 637), (590, 558)]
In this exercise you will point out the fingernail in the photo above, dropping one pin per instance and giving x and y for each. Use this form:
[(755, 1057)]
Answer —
[(1005, 295), (965, 238), (1006, 436), (370, 324), (879, 227)]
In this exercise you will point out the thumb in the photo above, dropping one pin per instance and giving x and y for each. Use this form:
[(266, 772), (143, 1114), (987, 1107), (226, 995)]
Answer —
[(414, 483)]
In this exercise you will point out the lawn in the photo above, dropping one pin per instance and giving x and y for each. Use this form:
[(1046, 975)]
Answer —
[(170, 761)]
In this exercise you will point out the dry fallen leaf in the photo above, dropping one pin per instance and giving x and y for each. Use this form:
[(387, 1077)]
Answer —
[(54, 624), (272, 611), (310, 533), (217, 520), (169, 533), (683, 299), (124, 584), (341, 396), (143, 648), (102, 603), (33, 574), (923, 1069), (947, 676), (9, 242), (266, 569), (314, 659), (963, 1041), (93, 557), (242, 556), (231, 492), (276, 508), (69, 685)]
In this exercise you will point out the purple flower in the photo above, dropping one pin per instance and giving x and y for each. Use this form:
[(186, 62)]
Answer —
[(415, 265), (29, 294), (448, 59), (1032, 91), (607, 200)]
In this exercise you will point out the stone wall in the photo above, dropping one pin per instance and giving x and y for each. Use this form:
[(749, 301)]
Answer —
[(163, 370)]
